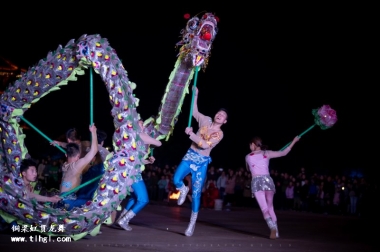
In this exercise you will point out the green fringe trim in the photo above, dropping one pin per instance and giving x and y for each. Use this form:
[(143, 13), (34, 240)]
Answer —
[(7, 217)]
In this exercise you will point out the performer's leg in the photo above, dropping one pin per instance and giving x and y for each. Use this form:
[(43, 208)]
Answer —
[(131, 200), (198, 179), (269, 197), (141, 193), (182, 170), (261, 200), (140, 199)]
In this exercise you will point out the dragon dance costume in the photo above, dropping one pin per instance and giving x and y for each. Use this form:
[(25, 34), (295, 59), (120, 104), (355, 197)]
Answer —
[(196, 164), (61, 67)]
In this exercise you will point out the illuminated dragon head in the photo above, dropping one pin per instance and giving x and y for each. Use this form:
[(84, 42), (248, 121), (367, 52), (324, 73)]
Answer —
[(197, 38)]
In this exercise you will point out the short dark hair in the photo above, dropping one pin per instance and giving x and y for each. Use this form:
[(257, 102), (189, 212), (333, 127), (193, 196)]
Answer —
[(224, 110), (72, 149), (72, 134), (102, 136), (26, 163)]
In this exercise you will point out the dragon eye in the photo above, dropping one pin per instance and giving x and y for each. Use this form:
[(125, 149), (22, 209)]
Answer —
[(193, 23), (186, 38)]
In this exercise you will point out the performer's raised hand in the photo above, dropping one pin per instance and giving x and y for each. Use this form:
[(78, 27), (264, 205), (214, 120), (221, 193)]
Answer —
[(92, 128)]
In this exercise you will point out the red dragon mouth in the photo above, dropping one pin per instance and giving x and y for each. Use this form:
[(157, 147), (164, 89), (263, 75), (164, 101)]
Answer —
[(197, 38)]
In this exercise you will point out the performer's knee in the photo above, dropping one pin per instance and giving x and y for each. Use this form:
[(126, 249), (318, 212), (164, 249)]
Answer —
[(265, 211), (131, 201), (178, 181), (144, 202)]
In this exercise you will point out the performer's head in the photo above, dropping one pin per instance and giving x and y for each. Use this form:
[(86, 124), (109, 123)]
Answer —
[(257, 144), (28, 170), (221, 116), (102, 136), (72, 136), (73, 151)]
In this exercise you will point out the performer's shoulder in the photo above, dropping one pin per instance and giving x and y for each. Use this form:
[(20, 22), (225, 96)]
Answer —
[(205, 120)]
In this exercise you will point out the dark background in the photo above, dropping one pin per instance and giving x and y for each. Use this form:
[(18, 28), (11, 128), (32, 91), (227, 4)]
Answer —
[(270, 66)]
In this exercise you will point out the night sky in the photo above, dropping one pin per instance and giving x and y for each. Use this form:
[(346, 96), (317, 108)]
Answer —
[(270, 66)]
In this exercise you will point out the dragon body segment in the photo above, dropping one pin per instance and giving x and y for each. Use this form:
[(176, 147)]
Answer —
[(57, 69), (194, 53)]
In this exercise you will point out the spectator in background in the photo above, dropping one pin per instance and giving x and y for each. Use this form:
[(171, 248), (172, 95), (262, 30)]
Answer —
[(221, 184), (289, 194)]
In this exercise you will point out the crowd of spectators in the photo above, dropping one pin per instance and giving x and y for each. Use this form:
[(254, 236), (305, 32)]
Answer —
[(304, 192)]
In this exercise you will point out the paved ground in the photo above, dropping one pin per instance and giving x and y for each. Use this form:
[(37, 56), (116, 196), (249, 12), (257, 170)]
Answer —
[(160, 227)]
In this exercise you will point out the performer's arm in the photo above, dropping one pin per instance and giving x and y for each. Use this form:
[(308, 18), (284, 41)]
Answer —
[(83, 162), (276, 154), (146, 138), (150, 140), (246, 163), (58, 143), (214, 140), (41, 198)]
